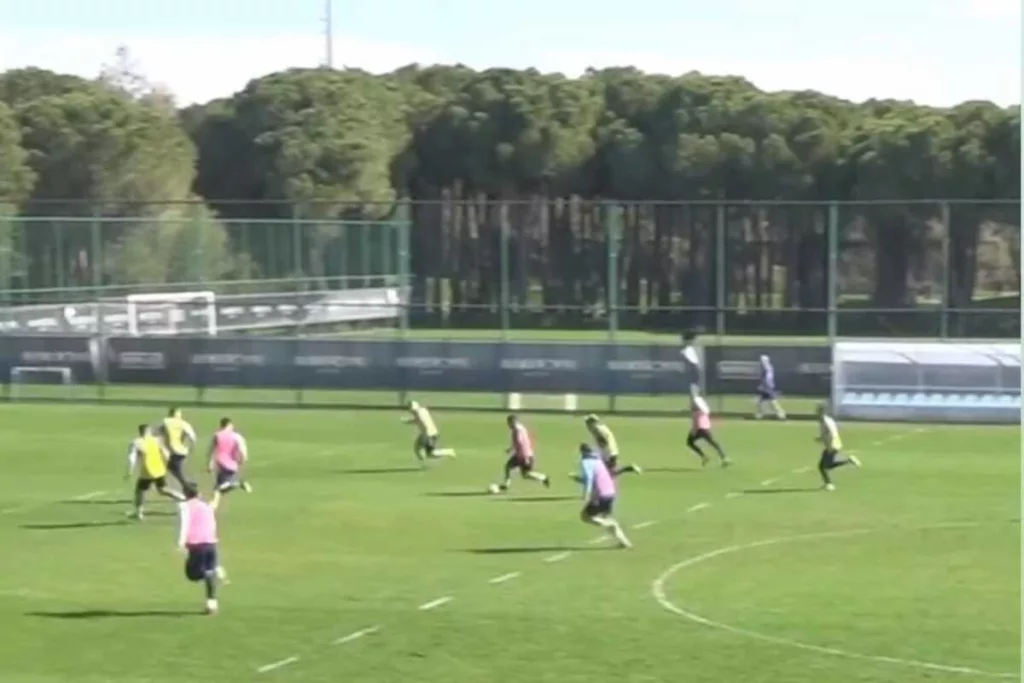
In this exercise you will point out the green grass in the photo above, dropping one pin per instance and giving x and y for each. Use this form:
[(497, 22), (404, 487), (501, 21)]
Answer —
[(343, 533)]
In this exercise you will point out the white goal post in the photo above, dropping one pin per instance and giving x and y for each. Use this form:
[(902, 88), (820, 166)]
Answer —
[(172, 313), (22, 375), (567, 402)]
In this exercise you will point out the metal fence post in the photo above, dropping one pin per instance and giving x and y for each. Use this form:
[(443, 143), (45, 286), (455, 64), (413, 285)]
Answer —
[(503, 285), (404, 267), (720, 271), (612, 227), (832, 277), (947, 271)]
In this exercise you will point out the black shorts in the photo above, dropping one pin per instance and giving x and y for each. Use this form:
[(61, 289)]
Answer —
[(224, 476), (698, 434), (524, 465), (427, 443), (767, 394), (828, 458), (611, 462), (201, 561), (175, 461), (599, 507), (144, 483)]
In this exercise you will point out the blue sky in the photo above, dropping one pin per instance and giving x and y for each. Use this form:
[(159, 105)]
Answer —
[(935, 51)]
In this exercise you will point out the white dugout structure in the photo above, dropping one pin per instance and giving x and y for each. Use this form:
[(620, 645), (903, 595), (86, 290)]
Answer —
[(919, 381)]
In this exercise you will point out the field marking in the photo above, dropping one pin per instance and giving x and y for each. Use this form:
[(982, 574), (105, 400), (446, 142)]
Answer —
[(768, 482), (597, 540), (801, 470), (434, 604), (698, 506), (557, 558), (356, 636), (733, 494), (273, 666), (644, 525), (504, 577), (658, 592)]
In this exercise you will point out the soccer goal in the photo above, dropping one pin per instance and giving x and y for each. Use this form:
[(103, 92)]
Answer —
[(172, 313), (24, 376), (567, 402)]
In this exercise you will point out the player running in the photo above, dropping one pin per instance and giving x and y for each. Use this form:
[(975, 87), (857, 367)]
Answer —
[(228, 452), (425, 447), (701, 428), (608, 445), (521, 455), (147, 457), (179, 437), (828, 435), (197, 538), (767, 392), (599, 493)]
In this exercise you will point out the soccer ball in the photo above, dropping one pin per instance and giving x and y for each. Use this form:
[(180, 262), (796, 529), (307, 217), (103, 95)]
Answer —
[(494, 489)]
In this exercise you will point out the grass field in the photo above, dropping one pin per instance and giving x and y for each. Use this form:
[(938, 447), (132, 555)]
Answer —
[(909, 572)]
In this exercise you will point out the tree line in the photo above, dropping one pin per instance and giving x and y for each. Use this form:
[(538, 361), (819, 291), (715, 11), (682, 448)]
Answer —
[(543, 166)]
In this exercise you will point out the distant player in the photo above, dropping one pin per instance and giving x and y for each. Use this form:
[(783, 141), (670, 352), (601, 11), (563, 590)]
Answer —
[(828, 435), (147, 458), (599, 492), (767, 392), (179, 438), (197, 537), (521, 455), (700, 429), (228, 452), (608, 445), (425, 446)]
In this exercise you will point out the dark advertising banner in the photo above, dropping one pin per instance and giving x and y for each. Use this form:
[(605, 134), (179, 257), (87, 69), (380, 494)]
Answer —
[(799, 370), (417, 365), (82, 357)]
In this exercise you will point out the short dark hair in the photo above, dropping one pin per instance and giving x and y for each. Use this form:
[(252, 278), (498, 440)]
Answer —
[(142, 429), (190, 490), (225, 421), (172, 411), (689, 336)]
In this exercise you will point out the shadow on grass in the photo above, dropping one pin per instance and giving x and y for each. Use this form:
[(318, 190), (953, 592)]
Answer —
[(112, 614), (656, 470), (57, 526), (525, 550), (535, 499), (381, 470), (124, 501), (781, 490), (457, 494)]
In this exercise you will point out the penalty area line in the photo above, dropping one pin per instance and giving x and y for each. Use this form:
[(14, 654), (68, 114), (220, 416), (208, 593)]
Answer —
[(558, 557), (356, 635), (504, 577)]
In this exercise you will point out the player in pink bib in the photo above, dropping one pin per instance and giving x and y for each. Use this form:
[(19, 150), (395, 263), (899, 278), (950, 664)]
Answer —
[(521, 455), (599, 492), (197, 537), (700, 429), (228, 452)]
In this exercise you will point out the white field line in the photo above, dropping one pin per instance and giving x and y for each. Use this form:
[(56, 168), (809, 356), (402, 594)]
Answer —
[(557, 558), (357, 635), (504, 577), (644, 525), (597, 540), (434, 604), (698, 506), (273, 666)]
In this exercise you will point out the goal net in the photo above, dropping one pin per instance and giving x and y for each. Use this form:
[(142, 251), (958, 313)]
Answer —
[(50, 381), (172, 313)]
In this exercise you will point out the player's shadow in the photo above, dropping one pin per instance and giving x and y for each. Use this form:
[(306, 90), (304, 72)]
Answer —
[(380, 470), (687, 470), (534, 499), (525, 550), (124, 501), (112, 614), (57, 526), (791, 489), (457, 494)]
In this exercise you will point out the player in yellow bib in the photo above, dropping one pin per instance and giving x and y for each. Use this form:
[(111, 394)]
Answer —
[(425, 447), (147, 457), (608, 446), (178, 438), (828, 435)]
